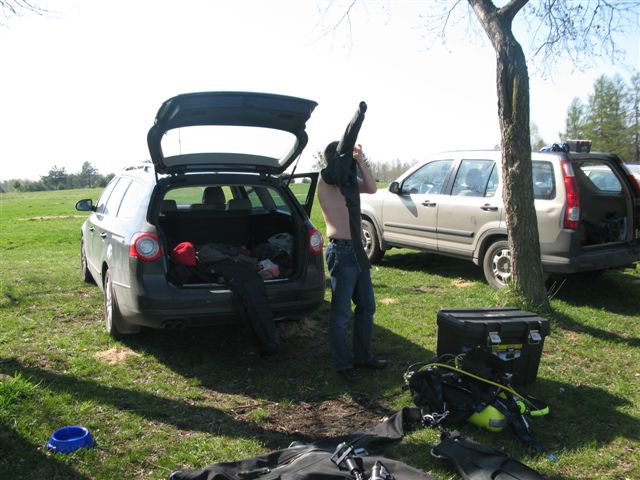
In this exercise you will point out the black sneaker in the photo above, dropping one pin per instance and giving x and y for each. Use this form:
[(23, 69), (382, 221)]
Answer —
[(374, 364)]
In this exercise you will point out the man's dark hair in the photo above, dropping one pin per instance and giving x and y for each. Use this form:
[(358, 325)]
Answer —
[(330, 151)]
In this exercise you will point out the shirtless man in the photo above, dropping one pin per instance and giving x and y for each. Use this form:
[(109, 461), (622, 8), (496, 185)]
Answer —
[(349, 282)]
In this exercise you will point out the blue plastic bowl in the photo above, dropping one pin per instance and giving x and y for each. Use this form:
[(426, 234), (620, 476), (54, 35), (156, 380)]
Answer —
[(70, 439)]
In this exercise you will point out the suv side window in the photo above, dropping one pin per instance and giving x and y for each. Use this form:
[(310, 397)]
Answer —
[(544, 182), (472, 178), (492, 184), (428, 179)]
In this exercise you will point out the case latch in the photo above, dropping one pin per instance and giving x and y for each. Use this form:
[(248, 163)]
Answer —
[(534, 337), (494, 338)]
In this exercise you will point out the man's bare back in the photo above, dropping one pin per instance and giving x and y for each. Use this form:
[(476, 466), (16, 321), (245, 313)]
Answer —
[(333, 203), (334, 210)]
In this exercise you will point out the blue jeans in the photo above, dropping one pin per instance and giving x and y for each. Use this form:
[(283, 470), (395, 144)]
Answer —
[(349, 284)]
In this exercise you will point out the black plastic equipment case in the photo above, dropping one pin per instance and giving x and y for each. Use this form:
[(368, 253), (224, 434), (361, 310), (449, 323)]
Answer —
[(513, 336)]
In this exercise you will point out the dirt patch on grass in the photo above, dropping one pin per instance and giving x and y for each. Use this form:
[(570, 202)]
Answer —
[(305, 327), (327, 418), (427, 288), (115, 355), (52, 217), (388, 301), (462, 283)]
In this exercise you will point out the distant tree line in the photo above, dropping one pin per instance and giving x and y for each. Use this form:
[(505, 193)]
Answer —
[(59, 179), (610, 118), (383, 171)]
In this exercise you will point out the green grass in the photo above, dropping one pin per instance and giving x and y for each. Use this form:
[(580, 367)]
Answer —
[(160, 402)]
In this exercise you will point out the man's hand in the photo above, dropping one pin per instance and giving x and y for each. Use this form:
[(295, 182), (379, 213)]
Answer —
[(358, 153)]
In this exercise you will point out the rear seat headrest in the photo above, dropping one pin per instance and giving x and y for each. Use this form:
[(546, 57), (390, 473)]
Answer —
[(168, 206), (239, 204), (213, 196)]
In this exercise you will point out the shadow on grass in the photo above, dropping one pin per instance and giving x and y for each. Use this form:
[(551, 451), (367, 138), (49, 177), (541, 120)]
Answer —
[(21, 459), (567, 323), (226, 359), (613, 291), (181, 414), (570, 426), (418, 261)]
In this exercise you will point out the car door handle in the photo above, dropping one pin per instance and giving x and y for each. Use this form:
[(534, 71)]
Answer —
[(427, 203), (91, 229), (103, 235), (489, 208)]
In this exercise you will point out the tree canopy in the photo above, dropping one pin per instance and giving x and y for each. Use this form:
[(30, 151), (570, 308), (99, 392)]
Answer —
[(610, 118)]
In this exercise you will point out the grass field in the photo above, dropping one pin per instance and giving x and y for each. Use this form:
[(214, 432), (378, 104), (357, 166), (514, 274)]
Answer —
[(160, 402)]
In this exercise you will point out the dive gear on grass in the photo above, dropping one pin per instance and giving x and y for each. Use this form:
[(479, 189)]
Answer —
[(317, 461), (456, 388), (479, 462)]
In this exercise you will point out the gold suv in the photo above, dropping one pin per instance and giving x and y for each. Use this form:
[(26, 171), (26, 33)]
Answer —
[(587, 205)]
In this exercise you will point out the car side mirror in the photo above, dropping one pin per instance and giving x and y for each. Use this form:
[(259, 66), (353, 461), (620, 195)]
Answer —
[(85, 205), (394, 187)]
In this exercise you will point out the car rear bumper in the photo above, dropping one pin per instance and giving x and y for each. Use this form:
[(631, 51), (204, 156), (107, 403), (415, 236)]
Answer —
[(158, 304), (594, 258)]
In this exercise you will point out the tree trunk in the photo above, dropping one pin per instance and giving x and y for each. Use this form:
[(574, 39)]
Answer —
[(513, 109)]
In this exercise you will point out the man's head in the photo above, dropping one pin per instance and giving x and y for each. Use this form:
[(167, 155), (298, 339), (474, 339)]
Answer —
[(330, 151)]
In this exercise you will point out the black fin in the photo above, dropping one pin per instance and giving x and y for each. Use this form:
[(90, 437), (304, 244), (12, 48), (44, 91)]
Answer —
[(479, 462)]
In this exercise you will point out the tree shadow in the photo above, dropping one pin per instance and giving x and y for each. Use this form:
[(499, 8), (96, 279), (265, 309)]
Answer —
[(567, 323), (613, 291), (179, 413), (22, 459)]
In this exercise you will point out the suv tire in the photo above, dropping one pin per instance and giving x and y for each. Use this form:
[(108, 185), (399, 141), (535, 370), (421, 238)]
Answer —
[(497, 264), (371, 242), (114, 323)]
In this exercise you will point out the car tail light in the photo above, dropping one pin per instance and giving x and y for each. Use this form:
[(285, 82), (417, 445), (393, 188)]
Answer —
[(315, 240), (145, 246), (572, 212), (635, 181)]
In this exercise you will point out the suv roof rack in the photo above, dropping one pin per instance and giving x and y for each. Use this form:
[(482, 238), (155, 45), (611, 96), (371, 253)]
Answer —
[(576, 146)]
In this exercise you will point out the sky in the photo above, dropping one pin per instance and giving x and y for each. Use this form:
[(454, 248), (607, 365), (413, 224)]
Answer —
[(84, 81)]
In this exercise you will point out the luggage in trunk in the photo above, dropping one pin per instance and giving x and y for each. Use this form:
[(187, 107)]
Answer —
[(265, 242)]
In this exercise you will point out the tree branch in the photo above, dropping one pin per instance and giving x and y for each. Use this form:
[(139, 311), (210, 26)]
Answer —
[(15, 8)]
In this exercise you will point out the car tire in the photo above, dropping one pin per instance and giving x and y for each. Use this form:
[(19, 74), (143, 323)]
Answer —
[(496, 264), (86, 274), (371, 242), (115, 324)]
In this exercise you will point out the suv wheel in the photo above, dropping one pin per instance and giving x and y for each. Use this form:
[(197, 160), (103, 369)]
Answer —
[(86, 274), (497, 264), (114, 323), (371, 242)]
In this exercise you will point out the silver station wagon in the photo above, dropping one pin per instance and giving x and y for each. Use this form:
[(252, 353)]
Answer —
[(215, 191)]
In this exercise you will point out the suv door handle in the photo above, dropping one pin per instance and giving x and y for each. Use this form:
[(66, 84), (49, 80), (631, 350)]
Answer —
[(427, 203), (91, 229), (489, 208), (103, 235)]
